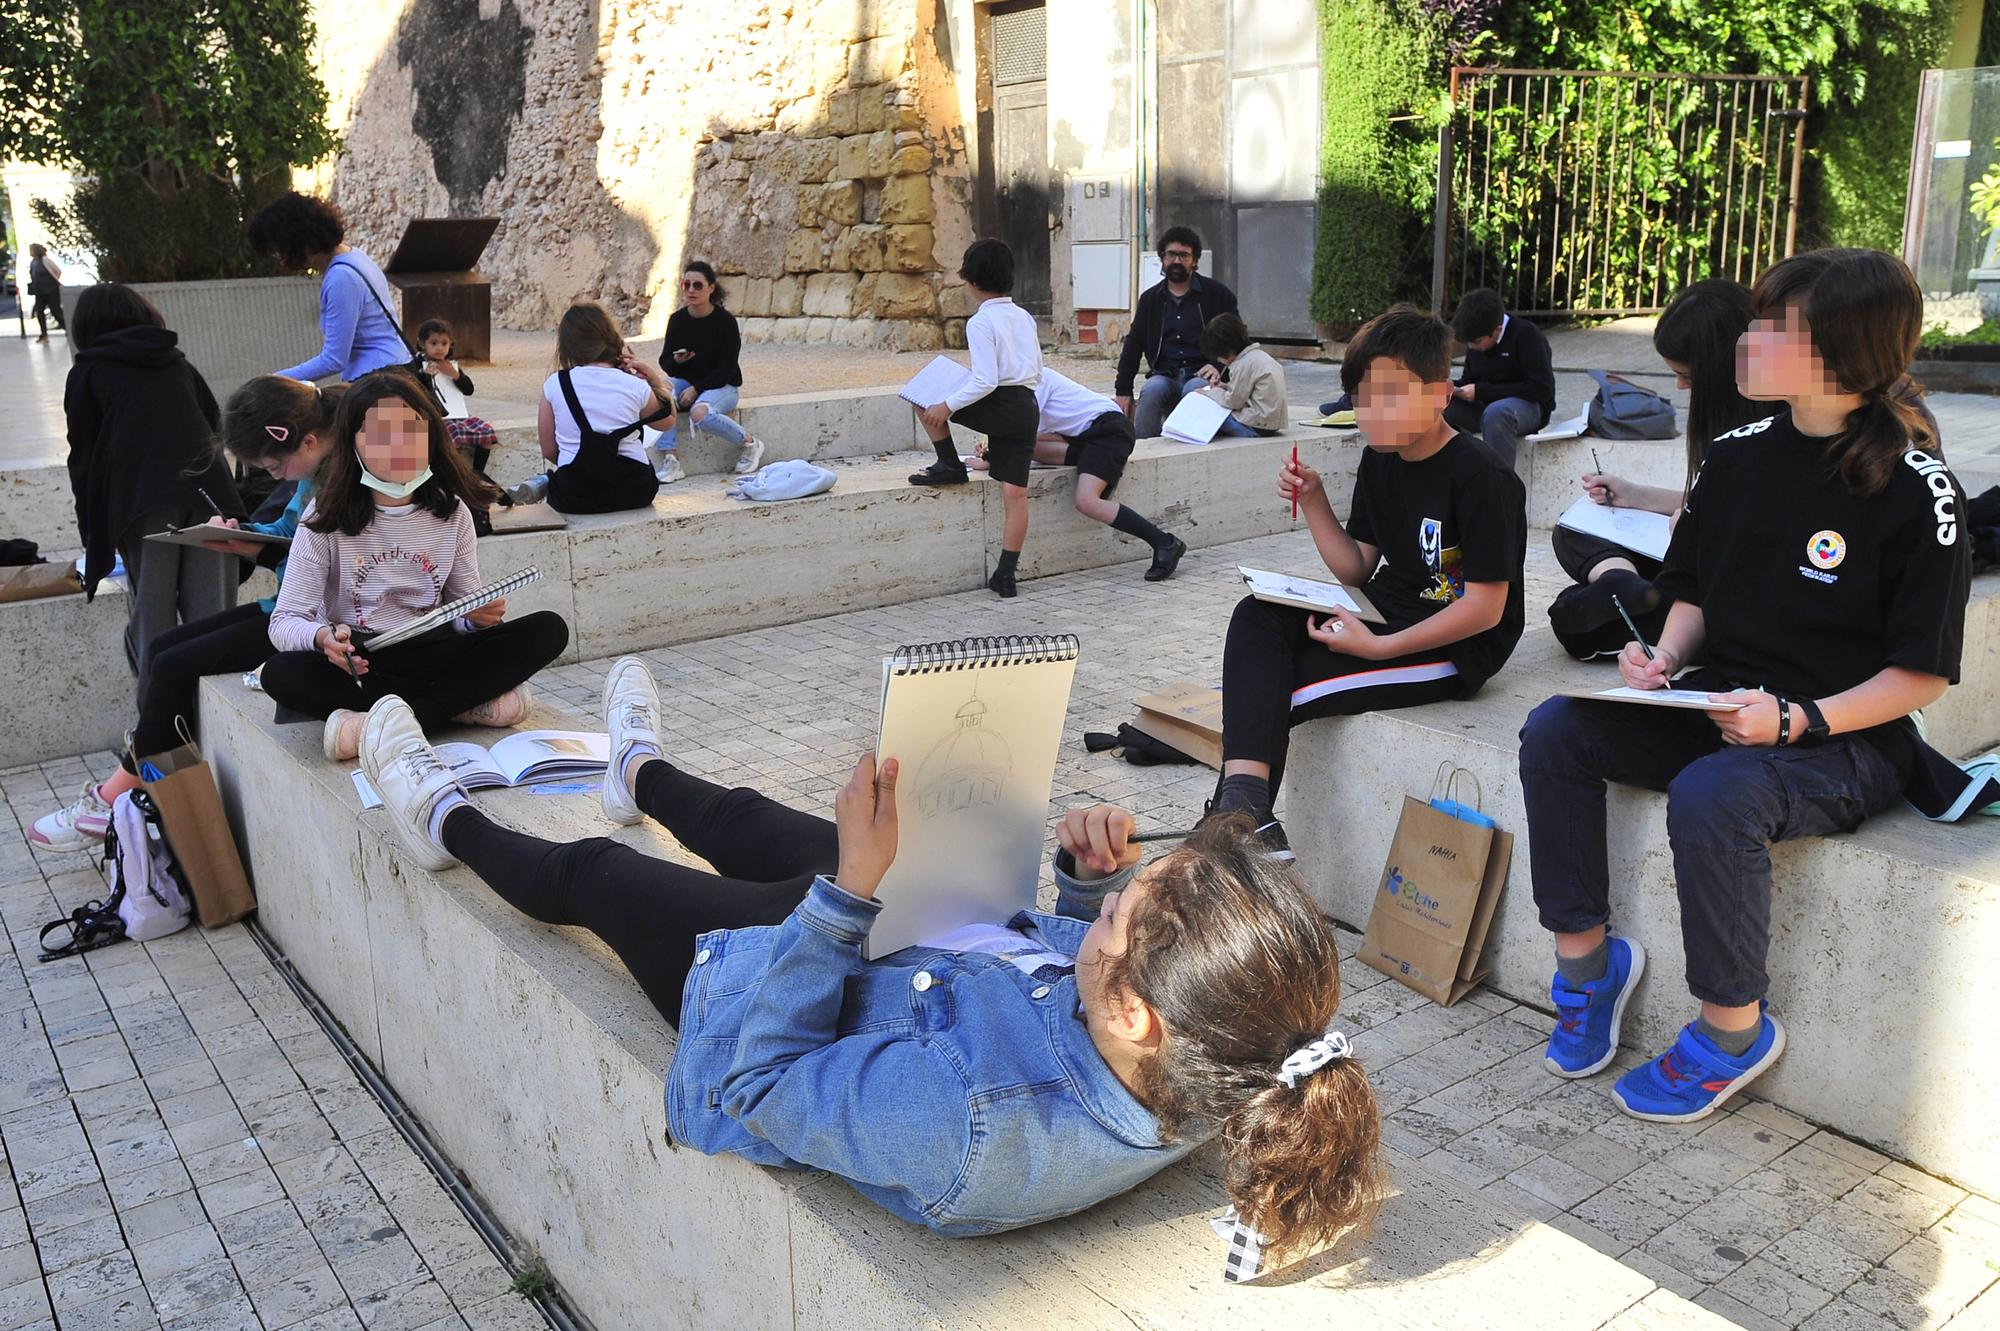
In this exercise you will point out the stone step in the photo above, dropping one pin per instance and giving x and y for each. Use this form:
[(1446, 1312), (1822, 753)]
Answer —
[(698, 564), (534, 1061), (1881, 940)]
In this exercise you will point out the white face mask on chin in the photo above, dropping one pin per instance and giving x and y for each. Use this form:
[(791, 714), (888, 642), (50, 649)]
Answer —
[(391, 490)]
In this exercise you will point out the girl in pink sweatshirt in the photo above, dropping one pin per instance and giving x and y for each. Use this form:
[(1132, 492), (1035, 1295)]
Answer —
[(389, 538)]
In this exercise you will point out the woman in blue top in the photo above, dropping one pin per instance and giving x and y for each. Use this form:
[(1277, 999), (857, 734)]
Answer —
[(285, 427), (1005, 1077), (354, 298)]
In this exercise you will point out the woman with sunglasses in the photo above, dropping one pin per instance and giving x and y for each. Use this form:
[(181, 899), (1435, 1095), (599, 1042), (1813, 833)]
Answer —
[(700, 355)]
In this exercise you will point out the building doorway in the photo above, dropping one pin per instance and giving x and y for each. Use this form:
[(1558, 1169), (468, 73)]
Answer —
[(1014, 192)]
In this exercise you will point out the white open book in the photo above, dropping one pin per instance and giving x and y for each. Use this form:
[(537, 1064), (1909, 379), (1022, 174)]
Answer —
[(1309, 594), (1636, 529), (1195, 420), (1573, 428), (934, 383), (525, 758)]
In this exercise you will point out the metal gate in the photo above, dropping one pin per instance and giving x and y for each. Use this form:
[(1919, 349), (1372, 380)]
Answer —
[(1599, 193)]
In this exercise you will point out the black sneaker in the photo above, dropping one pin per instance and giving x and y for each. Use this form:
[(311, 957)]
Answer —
[(1277, 846), (1003, 585), (939, 474), (1166, 558)]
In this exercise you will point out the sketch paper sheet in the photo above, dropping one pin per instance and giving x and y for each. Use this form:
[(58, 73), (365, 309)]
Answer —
[(1636, 529), (1195, 420), (977, 748), (1308, 593), (934, 383), (1691, 699)]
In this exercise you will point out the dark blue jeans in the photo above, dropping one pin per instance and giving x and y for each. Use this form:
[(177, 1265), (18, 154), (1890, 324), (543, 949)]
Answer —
[(1725, 807)]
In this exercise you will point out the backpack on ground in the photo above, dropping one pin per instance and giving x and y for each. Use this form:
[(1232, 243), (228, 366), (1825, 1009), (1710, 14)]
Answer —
[(1624, 410), (149, 898)]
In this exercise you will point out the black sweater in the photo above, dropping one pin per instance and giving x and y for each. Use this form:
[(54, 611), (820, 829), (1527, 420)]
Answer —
[(142, 429), (1148, 330), (716, 344), (1517, 366)]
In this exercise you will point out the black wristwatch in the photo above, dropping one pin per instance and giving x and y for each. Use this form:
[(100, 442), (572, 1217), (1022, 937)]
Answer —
[(1816, 728)]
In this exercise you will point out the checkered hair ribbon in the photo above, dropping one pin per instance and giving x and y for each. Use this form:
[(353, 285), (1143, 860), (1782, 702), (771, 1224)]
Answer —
[(1246, 1247), (1312, 1057)]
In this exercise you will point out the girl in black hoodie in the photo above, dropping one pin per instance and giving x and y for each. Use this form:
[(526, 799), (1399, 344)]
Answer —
[(142, 458)]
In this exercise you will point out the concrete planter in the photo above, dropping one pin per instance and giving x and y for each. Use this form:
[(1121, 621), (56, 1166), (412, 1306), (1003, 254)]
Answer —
[(234, 329), (1943, 371)]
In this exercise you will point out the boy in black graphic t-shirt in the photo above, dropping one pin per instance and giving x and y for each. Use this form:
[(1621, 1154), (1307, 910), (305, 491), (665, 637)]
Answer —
[(1820, 570), (1437, 534)]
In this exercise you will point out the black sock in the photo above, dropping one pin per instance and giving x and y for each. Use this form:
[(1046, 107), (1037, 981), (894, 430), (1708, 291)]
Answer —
[(1733, 1043), (947, 451), (1008, 558), (1579, 971), (1133, 524), (1244, 794)]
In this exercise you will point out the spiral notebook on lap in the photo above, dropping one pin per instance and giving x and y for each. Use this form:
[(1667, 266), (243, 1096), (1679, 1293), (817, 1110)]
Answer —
[(976, 726)]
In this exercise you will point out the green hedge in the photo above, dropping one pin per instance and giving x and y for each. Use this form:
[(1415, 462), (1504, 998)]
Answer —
[(1385, 59), (1377, 172)]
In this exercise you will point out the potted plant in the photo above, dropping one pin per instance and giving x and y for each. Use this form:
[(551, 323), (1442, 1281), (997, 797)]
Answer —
[(177, 119)]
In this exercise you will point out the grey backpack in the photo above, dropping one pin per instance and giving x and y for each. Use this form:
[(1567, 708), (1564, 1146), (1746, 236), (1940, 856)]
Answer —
[(1623, 410)]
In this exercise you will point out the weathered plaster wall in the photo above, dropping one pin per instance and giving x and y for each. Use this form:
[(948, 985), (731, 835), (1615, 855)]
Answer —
[(811, 150)]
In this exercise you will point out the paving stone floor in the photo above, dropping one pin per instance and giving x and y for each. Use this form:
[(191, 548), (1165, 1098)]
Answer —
[(184, 1148)]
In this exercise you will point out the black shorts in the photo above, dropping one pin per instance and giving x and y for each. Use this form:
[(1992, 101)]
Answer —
[(1103, 449), (1008, 418)]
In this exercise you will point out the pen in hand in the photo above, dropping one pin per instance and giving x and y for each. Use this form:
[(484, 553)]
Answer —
[(1295, 493), (209, 499), (1637, 636)]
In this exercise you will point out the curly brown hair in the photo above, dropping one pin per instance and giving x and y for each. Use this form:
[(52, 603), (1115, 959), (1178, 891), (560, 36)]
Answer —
[(1232, 955)]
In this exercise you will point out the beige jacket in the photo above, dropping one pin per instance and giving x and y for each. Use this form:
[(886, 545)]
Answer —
[(1255, 393)]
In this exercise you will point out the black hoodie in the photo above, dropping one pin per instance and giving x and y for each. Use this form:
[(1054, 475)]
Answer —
[(142, 429)]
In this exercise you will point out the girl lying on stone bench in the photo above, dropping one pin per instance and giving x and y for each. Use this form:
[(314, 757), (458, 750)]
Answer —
[(1022, 1076)]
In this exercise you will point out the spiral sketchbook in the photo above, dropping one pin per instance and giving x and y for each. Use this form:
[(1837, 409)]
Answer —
[(451, 610), (976, 726)]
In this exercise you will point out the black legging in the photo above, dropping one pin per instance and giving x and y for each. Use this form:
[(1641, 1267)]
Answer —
[(45, 305), (233, 641), (439, 675), (1268, 659), (647, 910)]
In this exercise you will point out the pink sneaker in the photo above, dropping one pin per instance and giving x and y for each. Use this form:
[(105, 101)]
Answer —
[(79, 827), (509, 709)]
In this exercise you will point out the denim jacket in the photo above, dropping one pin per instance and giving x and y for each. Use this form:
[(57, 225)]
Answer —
[(952, 1089)]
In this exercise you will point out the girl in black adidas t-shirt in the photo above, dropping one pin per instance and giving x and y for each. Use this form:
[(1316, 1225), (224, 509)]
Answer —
[(1820, 574)]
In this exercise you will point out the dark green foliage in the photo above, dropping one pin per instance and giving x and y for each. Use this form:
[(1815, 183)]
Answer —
[(182, 115), (1380, 107)]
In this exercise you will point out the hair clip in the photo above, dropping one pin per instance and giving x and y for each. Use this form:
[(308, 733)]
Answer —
[(278, 432)]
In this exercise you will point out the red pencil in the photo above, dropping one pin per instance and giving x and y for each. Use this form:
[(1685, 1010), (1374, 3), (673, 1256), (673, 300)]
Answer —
[(1295, 493)]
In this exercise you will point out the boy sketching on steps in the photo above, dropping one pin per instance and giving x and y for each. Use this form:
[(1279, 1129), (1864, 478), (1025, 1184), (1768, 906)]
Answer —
[(1086, 430), (1437, 534), (998, 400)]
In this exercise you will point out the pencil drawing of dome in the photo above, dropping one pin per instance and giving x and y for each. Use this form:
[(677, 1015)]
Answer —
[(966, 771)]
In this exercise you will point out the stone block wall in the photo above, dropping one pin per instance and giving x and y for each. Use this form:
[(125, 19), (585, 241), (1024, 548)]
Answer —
[(810, 150)]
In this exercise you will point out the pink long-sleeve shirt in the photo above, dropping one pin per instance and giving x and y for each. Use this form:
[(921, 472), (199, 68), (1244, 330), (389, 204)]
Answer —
[(405, 563)]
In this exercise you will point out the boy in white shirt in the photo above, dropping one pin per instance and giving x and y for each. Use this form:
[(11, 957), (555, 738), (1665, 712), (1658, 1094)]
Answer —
[(997, 400), (1086, 430)]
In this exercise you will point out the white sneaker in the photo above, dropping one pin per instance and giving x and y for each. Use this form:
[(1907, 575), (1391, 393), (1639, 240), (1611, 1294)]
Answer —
[(669, 469), (341, 740), (409, 776), (531, 491), (509, 709), (751, 458), (79, 827), (632, 714)]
